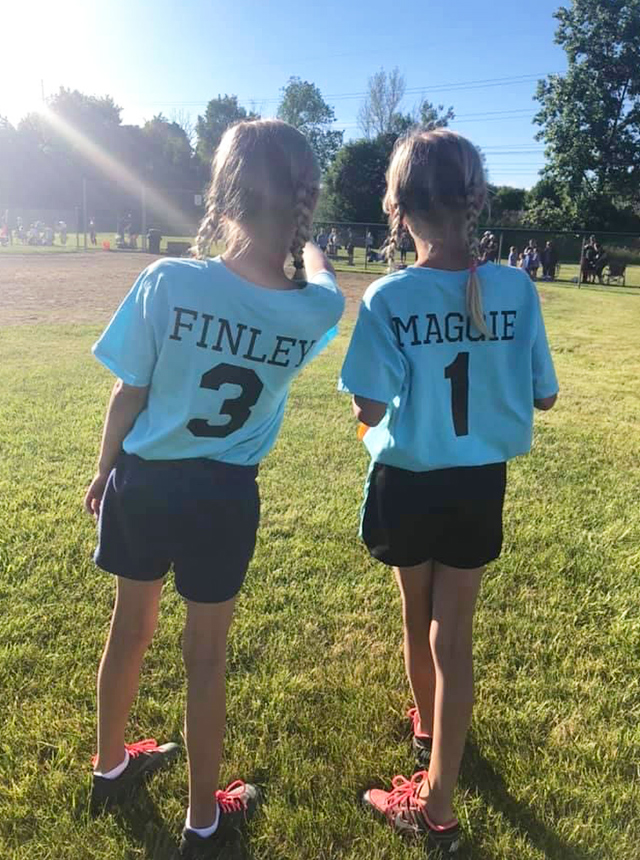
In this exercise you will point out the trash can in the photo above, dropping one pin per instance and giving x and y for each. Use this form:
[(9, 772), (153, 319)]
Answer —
[(153, 238)]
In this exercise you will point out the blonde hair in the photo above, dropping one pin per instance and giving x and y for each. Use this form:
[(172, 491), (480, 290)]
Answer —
[(434, 177), (264, 174)]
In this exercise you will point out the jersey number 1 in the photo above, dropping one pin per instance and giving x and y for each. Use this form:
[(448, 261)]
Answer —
[(458, 373)]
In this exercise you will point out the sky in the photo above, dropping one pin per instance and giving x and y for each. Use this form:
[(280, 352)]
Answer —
[(167, 56)]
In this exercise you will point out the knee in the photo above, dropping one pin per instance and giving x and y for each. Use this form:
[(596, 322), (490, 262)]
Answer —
[(204, 659), (135, 633)]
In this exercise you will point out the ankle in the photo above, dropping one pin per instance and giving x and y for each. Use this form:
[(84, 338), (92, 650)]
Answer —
[(439, 811), (202, 817), (112, 766)]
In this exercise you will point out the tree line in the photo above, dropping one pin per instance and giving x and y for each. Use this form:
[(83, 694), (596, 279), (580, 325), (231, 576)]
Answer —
[(588, 118)]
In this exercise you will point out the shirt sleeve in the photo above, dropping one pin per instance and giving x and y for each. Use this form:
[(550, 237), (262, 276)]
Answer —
[(374, 366), (335, 309), (545, 382), (128, 346)]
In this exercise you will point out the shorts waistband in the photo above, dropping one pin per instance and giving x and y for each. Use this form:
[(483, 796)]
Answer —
[(204, 463)]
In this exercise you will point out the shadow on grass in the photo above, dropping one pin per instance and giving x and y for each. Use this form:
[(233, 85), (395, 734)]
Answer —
[(144, 825), (481, 777)]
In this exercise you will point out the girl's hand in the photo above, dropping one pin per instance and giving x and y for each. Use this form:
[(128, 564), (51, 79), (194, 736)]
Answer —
[(93, 498)]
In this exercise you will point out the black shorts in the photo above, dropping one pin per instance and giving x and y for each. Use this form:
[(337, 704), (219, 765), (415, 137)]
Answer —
[(199, 515), (453, 516)]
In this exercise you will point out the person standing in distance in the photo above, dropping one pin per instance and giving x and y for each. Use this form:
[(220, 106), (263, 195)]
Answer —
[(205, 351), (447, 360)]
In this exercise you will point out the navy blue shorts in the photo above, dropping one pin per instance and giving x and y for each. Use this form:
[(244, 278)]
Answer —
[(199, 515), (453, 516)]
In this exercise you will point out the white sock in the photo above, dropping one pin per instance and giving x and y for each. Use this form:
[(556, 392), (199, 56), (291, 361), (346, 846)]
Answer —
[(203, 832), (116, 771)]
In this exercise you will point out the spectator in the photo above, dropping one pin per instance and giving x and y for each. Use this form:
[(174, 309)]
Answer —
[(48, 236), (491, 249), (534, 260), (62, 229), (350, 246), (368, 242), (589, 252), (405, 245), (601, 259), (549, 262), (513, 256), (92, 232), (322, 240), (333, 243)]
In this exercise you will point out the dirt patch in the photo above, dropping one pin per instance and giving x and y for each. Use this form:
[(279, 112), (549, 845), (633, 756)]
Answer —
[(87, 288)]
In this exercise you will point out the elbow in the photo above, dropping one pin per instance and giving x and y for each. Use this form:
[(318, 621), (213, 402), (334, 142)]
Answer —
[(133, 394), (546, 403), (369, 412)]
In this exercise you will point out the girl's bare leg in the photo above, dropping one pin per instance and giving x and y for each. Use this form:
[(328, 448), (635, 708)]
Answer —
[(454, 595), (415, 588), (132, 627), (205, 650)]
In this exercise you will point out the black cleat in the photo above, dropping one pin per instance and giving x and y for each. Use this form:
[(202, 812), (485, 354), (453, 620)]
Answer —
[(237, 804), (145, 758)]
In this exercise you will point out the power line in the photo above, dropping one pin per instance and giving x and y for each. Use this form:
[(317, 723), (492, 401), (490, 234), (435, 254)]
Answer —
[(480, 83)]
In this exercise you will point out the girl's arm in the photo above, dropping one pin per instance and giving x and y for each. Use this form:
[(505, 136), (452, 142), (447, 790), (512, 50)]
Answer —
[(315, 261), (369, 412), (126, 403)]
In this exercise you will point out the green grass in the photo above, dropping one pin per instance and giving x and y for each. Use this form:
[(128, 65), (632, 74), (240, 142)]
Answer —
[(316, 686)]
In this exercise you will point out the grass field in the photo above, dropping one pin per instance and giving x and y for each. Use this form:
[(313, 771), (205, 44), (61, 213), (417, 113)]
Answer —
[(316, 687)]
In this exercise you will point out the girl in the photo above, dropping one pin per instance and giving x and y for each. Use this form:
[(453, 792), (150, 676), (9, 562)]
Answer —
[(513, 256), (446, 363), (204, 351)]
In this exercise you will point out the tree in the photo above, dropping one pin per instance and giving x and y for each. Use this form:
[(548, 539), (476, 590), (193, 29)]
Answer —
[(219, 115), (506, 205), (167, 146), (355, 182), (379, 112), (590, 116), (434, 117), (183, 118), (303, 107)]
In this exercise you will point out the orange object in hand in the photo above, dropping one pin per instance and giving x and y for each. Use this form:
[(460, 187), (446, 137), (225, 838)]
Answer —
[(362, 429)]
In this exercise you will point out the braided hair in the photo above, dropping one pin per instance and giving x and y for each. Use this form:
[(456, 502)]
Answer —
[(306, 197), (473, 293), (395, 229)]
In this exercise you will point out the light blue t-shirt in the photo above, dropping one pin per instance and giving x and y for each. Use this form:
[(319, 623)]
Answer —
[(454, 398), (218, 353)]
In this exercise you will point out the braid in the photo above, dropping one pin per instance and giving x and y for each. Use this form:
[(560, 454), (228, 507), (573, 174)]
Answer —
[(474, 296), (395, 225), (303, 222), (207, 231)]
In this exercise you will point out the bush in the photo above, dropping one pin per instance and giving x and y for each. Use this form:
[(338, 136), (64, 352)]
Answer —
[(626, 256)]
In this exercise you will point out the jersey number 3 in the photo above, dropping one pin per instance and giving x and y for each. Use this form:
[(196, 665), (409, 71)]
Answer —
[(237, 408), (458, 373)]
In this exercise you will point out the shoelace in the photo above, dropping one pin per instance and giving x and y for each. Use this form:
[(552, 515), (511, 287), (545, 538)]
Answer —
[(134, 750), (404, 791), (230, 802), (146, 746)]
